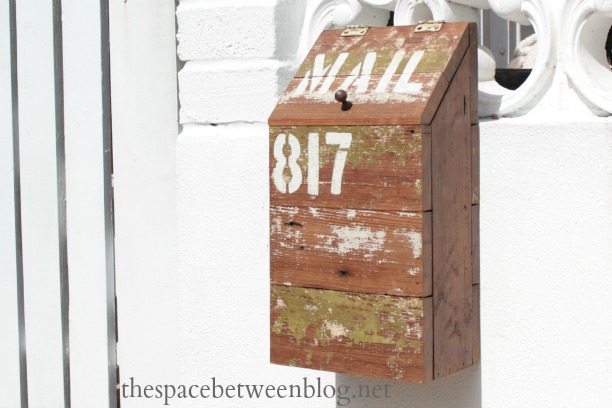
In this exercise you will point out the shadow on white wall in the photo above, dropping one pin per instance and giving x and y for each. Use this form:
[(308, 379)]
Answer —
[(459, 390)]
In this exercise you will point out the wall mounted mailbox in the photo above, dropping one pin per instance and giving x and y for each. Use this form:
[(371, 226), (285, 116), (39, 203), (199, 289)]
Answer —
[(374, 205)]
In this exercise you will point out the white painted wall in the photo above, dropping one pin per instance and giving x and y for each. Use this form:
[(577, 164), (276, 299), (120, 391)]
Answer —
[(546, 227)]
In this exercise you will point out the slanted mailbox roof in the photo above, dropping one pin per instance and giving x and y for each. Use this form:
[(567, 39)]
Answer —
[(392, 76)]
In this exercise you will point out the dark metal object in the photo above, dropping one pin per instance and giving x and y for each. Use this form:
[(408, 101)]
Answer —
[(511, 78), (341, 96)]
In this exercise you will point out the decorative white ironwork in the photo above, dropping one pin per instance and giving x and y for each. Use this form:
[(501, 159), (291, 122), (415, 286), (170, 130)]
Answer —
[(586, 24), (412, 11), (575, 40), (527, 96), (322, 14)]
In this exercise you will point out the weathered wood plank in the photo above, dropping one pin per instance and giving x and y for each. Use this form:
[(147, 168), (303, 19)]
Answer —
[(451, 202), (368, 108), (475, 164), (349, 250), (476, 325), (473, 62), (475, 244), (385, 168), (361, 334), (392, 77), (441, 49)]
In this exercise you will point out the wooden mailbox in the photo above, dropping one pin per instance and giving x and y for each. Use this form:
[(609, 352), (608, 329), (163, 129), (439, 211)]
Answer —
[(374, 205)]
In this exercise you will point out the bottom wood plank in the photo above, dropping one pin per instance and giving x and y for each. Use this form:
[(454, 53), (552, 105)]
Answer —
[(360, 334)]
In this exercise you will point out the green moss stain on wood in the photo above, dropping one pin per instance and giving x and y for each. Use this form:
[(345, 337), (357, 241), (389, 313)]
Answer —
[(434, 60), (312, 317)]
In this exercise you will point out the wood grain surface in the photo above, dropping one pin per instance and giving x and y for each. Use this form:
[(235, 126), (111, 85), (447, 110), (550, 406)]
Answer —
[(360, 334), (451, 201), (387, 168), (442, 46), (348, 250), (339, 62), (374, 235), (473, 72), (476, 325), (475, 244), (475, 164)]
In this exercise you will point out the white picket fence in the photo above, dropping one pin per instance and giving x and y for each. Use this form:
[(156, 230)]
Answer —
[(58, 346), (57, 293)]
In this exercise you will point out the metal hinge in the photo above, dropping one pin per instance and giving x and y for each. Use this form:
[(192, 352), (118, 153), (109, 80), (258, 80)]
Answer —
[(429, 26), (355, 30)]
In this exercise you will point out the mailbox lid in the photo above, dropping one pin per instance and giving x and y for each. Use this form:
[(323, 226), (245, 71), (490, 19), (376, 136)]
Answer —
[(392, 75)]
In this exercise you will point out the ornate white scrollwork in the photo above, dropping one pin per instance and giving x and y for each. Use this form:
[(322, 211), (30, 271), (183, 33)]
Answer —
[(412, 11), (384, 4), (585, 25), (518, 102), (323, 14), (580, 30), (510, 10)]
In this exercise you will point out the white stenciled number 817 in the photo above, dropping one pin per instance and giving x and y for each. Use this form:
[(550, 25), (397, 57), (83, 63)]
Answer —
[(342, 140)]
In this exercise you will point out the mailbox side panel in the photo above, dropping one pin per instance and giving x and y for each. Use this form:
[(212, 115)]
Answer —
[(359, 334), (452, 238)]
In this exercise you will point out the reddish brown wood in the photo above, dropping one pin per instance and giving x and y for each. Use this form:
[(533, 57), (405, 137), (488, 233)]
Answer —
[(349, 292), (476, 325), (367, 109), (451, 202), (359, 334), (387, 168), (475, 244), (442, 53), (442, 46), (475, 164), (349, 250), (473, 61)]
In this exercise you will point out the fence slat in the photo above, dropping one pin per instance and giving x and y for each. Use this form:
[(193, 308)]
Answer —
[(145, 128), (39, 194), (9, 340), (90, 375)]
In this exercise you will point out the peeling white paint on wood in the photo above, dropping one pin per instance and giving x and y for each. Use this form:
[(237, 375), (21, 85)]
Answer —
[(353, 239), (415, 238), (335, 329), (280, 303)]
